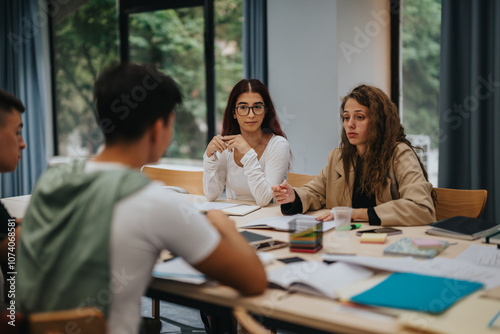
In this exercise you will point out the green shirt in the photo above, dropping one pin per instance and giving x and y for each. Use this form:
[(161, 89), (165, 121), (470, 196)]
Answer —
[(63, 259)]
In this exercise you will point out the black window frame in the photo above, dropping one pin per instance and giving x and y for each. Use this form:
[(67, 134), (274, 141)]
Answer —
[(395, 52), (127, 7)]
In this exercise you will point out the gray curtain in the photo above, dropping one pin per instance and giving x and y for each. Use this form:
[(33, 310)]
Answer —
[(22, 74), (469, 121), (255, 39)]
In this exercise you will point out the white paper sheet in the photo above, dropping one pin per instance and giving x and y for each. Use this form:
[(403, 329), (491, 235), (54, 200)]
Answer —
[(451, 268), (483, 255)]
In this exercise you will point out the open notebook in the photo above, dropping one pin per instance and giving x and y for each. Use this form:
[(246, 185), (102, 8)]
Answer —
[(233, 209), (317, 278)]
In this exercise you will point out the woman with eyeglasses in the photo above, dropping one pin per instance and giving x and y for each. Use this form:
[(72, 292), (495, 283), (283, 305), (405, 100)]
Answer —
[(252, 153), (375, 170)]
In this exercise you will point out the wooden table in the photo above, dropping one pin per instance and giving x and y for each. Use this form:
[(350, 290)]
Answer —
[(298, 312), (279, 309)]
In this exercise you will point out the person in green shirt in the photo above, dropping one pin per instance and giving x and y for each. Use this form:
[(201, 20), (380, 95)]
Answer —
[(94, 229)]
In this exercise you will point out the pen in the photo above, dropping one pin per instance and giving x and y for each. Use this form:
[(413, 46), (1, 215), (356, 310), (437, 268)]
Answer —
[(355, 226), (492, 321)]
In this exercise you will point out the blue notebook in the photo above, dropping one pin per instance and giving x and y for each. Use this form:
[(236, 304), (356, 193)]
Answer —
[(417, 292)]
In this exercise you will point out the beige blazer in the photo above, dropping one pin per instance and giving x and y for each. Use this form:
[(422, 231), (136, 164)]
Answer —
[(406, 198)]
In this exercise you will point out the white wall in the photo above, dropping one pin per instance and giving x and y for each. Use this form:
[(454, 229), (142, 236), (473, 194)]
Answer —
[(316, 55), (302, 77), (363, 44)]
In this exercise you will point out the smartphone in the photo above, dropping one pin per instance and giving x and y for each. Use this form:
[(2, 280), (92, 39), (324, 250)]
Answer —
[(388, 230), (255, 239), (273, 244)]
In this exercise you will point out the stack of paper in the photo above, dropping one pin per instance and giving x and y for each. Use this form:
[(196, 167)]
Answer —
[(373, 238), (306, 236)]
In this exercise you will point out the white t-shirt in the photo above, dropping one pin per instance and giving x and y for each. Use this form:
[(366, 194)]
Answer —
[(253, 181), (143, 224)]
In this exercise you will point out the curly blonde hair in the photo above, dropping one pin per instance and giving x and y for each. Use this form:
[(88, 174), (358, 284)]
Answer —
[(385, 132)]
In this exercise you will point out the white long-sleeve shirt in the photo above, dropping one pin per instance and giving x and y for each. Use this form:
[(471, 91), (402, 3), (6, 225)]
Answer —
[(253, 181)]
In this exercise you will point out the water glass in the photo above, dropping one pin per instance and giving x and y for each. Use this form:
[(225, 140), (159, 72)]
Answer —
[(342, 217)]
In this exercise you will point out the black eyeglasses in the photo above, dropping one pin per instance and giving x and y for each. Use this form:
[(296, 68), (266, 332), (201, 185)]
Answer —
[(257, 109)]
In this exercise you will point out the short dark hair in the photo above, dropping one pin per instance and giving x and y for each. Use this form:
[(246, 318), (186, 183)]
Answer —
[(130, 98), (8, 102)]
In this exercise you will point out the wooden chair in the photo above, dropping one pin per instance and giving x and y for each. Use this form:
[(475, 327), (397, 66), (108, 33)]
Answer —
[(191, 181), (298, 180), (248, 325), (458, 202), (89, 320)]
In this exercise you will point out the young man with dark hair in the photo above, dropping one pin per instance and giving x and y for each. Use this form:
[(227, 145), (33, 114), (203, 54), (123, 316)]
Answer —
[(94, 229), (11, 145)]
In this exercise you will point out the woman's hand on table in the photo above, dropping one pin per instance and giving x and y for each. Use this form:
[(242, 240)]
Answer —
[(327, 216), (356, 214), (283, 193)]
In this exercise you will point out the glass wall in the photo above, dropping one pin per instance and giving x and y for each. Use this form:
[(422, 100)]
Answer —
[(85, 42), (173, 40), (421, 30)]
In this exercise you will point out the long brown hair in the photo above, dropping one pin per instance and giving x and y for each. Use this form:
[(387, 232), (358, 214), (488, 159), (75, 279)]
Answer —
[(270, 123), (385, 132)]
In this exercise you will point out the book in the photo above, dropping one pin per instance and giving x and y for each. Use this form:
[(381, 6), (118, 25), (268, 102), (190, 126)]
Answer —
[(255, 239), (461, 227), (316, 278), (493, 238), (406, 247), (232, 209), (241, 210), (417, 292), (282, 223), (178, 269)]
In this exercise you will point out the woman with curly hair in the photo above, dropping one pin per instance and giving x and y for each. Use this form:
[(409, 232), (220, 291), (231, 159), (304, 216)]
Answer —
[(375, 170), (252, 152)]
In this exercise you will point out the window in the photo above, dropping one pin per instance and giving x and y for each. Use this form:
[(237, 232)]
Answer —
[(421, 29), (87, 40)]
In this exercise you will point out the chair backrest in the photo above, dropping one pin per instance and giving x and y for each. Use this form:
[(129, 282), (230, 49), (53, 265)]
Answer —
[(298, 180), (458, 202), (191, 181), (89, 320), (247, 323)]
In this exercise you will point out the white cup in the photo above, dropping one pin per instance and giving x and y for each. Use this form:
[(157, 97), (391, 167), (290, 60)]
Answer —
[(342, 217)]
